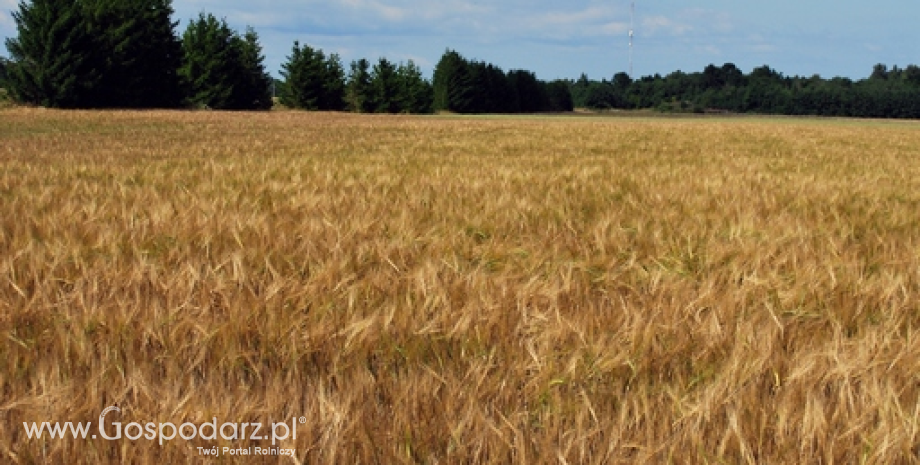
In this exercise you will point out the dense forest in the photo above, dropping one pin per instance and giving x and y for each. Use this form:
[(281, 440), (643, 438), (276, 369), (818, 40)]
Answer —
[(887, 93), (128, 54), (465, 86)]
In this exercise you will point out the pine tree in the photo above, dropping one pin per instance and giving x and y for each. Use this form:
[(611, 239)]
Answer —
[(222, 70), (155, 77), (210, 66), (385, 86), (96, 53), (415, 92), (137, 52), (560, 96), (257, 83), (358, 90), (453, 86), (51, 57), (302, 78), (312, 81), (532, 94), (333, 97)]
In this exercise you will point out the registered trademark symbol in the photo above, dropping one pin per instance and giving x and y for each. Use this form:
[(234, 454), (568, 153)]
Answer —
[(303, 420)]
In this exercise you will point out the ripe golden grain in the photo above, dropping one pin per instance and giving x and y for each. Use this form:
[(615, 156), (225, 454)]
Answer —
[(459, 290)]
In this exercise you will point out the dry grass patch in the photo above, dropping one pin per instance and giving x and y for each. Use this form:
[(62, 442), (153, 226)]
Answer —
[(459, 290)]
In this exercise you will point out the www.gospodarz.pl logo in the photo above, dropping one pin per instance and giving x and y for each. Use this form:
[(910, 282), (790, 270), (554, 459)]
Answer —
[(161, 432)]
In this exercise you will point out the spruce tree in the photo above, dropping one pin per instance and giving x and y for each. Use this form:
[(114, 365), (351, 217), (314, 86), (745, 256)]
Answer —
[(154, 77), (312, 81), (333, 97), (136, 51), (209, 66), (385, 86), (96, 53), (302, 78), (532, 94), (222, 70), (453, 86), (415, 93), (358, 90), (51, 57), (257, 83), (560, 96), (160, 84)]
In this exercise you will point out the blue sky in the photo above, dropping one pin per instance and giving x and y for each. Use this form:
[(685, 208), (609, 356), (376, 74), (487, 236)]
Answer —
[(563, 39)]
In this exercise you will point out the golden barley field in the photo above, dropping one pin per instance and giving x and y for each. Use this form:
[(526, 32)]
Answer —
[(460, 290)]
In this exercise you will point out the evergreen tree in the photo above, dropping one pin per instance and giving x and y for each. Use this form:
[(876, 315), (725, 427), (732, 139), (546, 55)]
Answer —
[(560, 96), (911, 75), (51, 57), (491, 92), (136, 51), (211, 66), (221, 69), (879, 72), (256, 85), (463, 86), (385, 85), (580, 90), (301, 87), (358, 90), (453, 87), (333, 97), (312, 81), (415, 92), (531, 93), (96, 53)]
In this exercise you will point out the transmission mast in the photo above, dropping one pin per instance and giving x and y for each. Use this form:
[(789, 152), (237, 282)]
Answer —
[(632, 17)]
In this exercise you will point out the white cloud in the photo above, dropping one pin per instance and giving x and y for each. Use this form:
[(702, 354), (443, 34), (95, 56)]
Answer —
[(570, 18), (695, 21), (402, 11), (467, 19), (383, 11), (258, 19), (614, 29), (709, 50), (654, 24), (759, 44), (708, 20)]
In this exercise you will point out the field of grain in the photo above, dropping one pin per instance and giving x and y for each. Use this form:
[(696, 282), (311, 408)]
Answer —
[(462, 290)]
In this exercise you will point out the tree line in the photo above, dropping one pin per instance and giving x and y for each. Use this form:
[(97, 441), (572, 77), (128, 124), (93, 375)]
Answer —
[(128, 54), (466, 86), (314, 81), (886, 93)]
